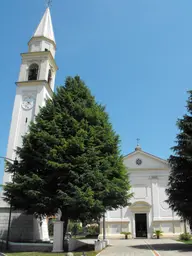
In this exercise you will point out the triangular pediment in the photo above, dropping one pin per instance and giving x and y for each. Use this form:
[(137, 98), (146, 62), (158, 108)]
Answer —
[(143, 160)]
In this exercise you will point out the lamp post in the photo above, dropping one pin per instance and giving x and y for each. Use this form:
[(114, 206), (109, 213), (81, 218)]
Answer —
[(104, 231), (10, 209)]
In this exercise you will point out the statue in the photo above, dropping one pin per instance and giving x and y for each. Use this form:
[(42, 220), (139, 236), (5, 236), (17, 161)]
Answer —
[(58, 215)]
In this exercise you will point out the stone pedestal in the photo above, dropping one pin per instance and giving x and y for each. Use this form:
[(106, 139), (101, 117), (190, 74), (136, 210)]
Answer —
[(106, 242), (58, 236), (98, 245)]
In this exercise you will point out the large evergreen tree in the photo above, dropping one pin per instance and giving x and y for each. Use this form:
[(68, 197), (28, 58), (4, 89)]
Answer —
[(69, 160), (180, 180)]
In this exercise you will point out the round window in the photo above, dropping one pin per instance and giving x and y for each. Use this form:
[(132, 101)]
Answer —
[(138, 161)]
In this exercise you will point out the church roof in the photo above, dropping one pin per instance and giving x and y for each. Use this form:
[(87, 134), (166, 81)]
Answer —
[(45, 27), (140, 160), (139, 150)]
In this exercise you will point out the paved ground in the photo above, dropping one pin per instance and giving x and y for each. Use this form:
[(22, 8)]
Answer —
[(147, 247)]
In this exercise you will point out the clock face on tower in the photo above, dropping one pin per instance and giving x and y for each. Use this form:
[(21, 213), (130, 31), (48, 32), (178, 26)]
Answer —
[(28, 102)]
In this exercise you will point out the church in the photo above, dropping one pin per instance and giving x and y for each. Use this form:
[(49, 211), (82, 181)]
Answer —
[(148, 210), (148, 173)]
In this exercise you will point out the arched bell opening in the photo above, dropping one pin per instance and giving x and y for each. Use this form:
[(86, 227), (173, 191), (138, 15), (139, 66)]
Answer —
[(33, 72)]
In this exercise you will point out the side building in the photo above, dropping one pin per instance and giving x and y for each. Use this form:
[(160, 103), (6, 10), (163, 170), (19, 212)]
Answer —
[(35, 84), (148, 210)]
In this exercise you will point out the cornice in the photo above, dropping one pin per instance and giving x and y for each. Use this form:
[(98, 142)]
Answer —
[(166, 219), (40, 54), (36, 83), (146, 154), (42, 38), (147, 169), (115, 221)]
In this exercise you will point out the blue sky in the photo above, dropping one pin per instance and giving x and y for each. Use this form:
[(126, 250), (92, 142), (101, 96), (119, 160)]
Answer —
[(135, 56)]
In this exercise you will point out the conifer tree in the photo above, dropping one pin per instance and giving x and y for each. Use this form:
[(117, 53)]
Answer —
[(70, 160), (180, 180)]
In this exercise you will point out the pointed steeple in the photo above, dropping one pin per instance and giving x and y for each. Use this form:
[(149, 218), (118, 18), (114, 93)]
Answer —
[(45, 27)]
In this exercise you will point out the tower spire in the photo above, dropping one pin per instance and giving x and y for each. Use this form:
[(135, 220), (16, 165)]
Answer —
[(45, 27)]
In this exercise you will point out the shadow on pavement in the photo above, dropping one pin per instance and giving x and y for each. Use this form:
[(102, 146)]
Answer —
[(165, 247)]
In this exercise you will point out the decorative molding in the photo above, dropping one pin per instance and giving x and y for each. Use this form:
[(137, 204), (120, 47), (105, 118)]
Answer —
[(146, 154), (153, 177), (42, 38), (115, 221), (140, 187), (138, 161), (36, 83), (30, 55)]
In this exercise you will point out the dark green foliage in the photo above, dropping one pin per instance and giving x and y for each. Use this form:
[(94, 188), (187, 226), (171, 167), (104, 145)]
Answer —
[(180, 181), (92, 230), (70, 159), (76, 229), (51, 226), (185, 237)]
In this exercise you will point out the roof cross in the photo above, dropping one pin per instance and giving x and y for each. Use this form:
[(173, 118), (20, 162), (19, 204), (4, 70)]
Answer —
[(138, 141)]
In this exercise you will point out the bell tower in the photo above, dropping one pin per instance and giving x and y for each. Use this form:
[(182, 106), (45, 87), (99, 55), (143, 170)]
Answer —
[(35, 83)]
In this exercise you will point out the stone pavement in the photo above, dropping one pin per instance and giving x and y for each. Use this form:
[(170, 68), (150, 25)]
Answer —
[(147, 247)]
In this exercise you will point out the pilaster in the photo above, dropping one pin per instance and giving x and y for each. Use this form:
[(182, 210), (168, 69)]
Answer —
[(155, 197)]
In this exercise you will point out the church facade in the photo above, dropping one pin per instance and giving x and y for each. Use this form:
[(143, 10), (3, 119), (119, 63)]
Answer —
[(148, 210)]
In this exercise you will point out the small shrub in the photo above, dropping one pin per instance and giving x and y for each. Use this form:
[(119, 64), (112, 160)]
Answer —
[(126, 234), (158, 233), (93, 230), (74, 228), (185, 236)]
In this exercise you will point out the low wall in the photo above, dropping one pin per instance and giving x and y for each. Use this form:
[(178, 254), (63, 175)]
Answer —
[(30, 247), (112, 236), (21, 225), (74, 244)]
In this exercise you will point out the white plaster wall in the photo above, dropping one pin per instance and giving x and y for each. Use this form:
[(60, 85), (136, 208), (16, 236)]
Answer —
[(23, 71), (165, 211), (44, 67), (19, 127), (49, 46), (37, 45), (52, 85)]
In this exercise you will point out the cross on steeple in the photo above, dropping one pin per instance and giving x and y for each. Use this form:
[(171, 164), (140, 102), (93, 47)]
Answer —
[(49, 3)]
